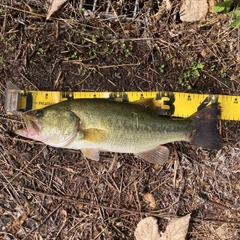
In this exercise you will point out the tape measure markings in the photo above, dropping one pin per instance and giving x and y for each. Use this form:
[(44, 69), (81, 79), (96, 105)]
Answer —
[(176, 104)]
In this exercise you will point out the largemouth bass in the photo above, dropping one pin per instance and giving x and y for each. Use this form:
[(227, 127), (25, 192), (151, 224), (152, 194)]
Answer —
[(94, 125)]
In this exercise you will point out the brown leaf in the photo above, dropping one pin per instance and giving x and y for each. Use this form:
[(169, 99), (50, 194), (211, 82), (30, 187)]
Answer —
[(37, 236), (149, 198), (156, 167), (20, 220), (168, 5), (79, 206), (147, 229), (222, 232), (203, 53), (177, 229), (238, 57), (193, 10), (56, 4), (64, 212)]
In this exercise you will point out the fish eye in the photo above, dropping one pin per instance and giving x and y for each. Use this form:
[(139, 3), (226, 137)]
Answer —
[(39, 114)]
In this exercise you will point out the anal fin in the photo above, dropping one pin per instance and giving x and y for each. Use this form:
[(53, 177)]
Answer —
[(158, 155), (91, 153)]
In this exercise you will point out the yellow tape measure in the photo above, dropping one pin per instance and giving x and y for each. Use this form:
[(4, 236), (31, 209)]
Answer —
[(175, 104)]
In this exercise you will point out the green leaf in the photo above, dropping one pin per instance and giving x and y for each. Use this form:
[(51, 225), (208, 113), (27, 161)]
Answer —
[(235, 23), (227, 6), (200, 66), (219, 7), (222, 7), (237, 12)]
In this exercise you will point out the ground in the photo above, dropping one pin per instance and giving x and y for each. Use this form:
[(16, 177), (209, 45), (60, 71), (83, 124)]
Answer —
[(50, 193)]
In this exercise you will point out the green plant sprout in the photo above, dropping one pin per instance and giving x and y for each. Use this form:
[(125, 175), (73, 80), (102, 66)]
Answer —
[(117, 74), (7, 39), (81, 10), (42, 51), (123, 44), (125, 50), (183, 46), (84, 72), (74, 55), (184, 83), (92, 53), (193, 71), (93, 38), (161, 68), (2, 60), (212, 68), (223, 73), (107, 49)]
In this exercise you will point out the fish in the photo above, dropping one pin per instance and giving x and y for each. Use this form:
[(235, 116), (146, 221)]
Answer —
[(101, 125)]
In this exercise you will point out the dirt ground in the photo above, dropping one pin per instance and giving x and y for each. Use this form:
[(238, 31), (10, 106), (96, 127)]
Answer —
[(50, 193)]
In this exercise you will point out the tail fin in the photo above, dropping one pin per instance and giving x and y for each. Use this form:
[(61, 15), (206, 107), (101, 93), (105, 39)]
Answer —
[(205, 133)]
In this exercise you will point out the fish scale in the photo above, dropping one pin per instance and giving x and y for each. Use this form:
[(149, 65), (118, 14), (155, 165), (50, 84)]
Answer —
[(135, 121)]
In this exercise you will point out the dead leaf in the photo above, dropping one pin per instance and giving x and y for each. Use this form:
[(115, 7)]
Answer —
[(147, 229), (149, 198), (79, 206), (156, 167), (37, 236), (168, 5), (193, 10), (177, 229), (238, 57), (20, 220), (222, 232), (203, 53), (64, 212), (88, 14), (56, 4)]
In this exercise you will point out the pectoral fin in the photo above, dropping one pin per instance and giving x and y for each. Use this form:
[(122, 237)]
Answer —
[(157, 155), (94, 135), (91, 153)]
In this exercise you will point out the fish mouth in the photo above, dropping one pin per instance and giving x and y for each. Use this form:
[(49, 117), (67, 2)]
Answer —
[(32, 127)]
